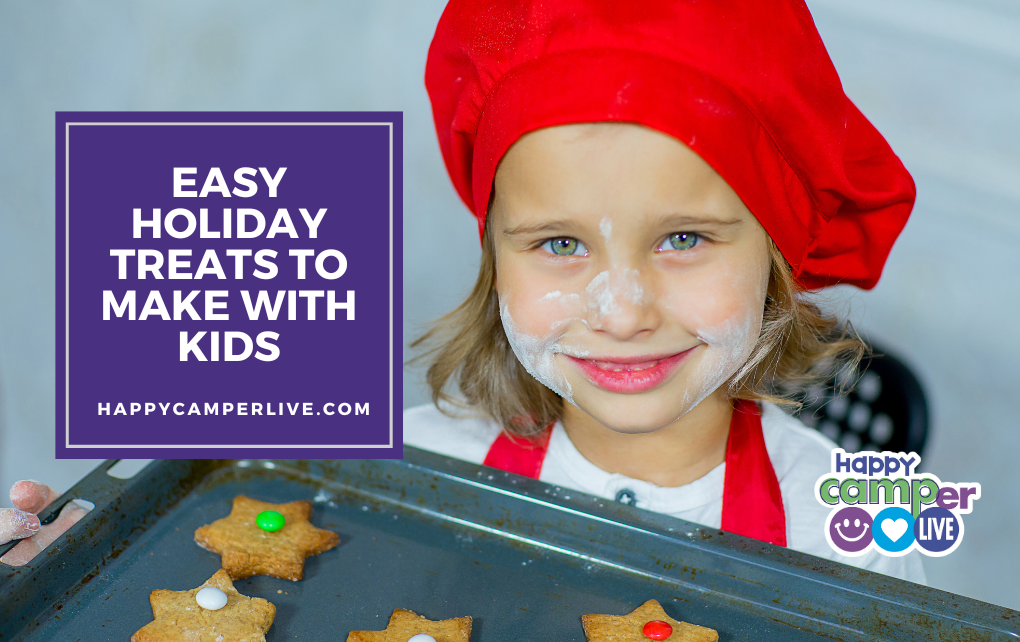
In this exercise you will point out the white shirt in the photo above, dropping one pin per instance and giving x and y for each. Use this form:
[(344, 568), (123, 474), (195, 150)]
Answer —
[(799, 456)]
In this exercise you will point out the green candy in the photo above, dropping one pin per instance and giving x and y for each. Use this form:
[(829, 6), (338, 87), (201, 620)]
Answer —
[(270, 520)]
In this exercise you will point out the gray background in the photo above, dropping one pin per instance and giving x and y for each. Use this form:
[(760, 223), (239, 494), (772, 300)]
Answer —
[(940, 79)]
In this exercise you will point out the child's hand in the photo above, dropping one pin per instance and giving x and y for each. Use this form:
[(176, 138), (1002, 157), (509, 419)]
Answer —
[(29, 498)]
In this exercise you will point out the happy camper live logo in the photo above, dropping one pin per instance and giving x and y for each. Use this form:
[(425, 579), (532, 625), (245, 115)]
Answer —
[(879, 500)]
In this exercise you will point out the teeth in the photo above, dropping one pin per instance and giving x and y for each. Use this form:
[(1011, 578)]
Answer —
[(609, 366)]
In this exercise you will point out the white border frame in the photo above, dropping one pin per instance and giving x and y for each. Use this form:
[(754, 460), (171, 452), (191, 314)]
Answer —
[(67, 286)]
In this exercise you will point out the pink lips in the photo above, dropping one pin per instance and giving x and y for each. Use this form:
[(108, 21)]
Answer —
[(635, 374)]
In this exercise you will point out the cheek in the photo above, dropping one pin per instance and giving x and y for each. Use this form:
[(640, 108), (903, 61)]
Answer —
[(537, 307), (713, 302), (535, 319)]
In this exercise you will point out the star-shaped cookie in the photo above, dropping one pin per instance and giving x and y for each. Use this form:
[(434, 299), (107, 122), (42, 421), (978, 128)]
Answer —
[(179, 618), (247, 550), (631, 627), (404, 624)]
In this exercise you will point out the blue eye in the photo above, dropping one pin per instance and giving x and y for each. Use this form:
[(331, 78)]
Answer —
[(679, 241), (564, 246)]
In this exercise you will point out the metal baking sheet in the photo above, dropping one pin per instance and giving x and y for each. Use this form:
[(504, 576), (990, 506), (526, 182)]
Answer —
[(445, 538)]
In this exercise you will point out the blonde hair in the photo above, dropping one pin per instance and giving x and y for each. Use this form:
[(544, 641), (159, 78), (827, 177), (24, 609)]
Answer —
[(799, 346)]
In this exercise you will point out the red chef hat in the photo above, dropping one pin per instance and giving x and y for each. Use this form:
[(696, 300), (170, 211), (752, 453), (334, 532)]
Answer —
[(747, 85)]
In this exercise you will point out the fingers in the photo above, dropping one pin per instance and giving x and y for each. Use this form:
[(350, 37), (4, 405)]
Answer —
[(16, 524), (26, 549), (32, 496)]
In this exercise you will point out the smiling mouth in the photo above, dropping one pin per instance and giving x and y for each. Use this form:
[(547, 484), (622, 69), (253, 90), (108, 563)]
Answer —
[(630, 374), (852, 539), (616, 366)]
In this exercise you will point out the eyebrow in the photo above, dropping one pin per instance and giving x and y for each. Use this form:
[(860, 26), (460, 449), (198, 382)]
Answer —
[(674, 220), (680, 220), (549, 226)]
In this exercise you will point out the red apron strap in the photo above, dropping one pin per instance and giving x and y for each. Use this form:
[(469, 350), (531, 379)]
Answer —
[(752, 503), (521, 455)]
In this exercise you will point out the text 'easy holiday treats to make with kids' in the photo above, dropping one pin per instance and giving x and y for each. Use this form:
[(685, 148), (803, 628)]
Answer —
[(879, 501), (227, 284)]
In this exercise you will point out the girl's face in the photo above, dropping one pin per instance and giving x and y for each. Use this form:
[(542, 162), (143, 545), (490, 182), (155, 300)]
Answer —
[(631, 278)]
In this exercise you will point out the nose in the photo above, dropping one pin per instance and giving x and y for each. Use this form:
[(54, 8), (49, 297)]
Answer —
[(620, 303)]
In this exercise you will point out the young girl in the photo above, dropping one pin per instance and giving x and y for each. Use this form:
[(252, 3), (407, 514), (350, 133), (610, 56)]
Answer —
[(656, 184)]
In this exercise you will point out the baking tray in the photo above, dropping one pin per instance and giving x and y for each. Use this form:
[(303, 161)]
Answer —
[(445, 538)]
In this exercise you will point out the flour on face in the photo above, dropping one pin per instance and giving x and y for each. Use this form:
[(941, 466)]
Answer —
[(538, 353), (728, 345), (606, 229), (603, 291), (556, 295), (609, 286), (599, 298), (631, 286)]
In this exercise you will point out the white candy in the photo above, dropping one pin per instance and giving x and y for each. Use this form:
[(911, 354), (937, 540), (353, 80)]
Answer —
[(422, 637), (212, 599)]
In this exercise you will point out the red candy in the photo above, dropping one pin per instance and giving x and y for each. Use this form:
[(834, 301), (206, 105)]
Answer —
[(657, 630)]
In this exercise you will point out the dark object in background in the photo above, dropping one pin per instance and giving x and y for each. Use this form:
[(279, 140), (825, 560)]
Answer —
[(885, 410)]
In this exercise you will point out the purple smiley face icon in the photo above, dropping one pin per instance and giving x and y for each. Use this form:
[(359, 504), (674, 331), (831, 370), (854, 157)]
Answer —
[(850, 529)]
